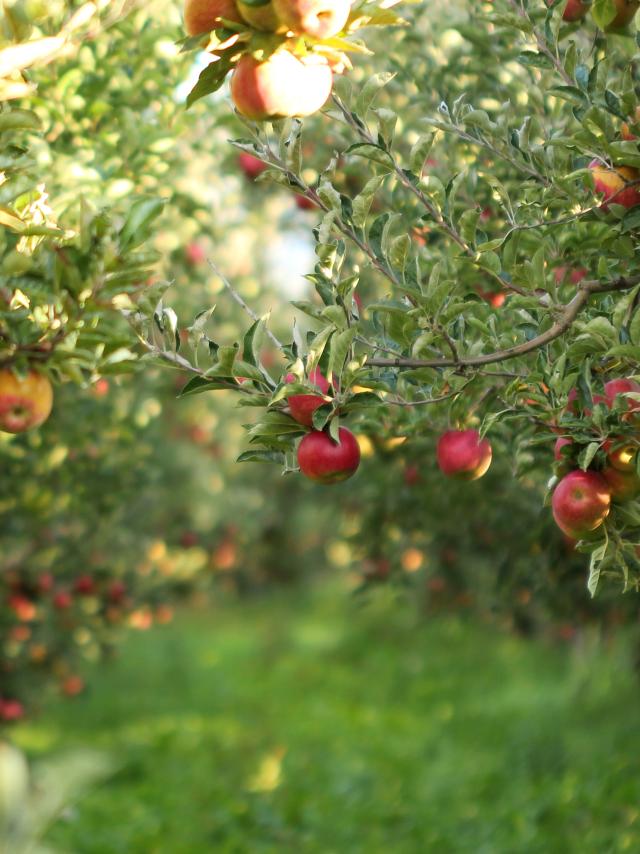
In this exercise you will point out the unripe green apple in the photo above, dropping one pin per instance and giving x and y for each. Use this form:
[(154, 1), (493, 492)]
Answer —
[(281, 86), (24, 403)]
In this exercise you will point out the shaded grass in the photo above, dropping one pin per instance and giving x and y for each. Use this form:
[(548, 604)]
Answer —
[(304, 723)]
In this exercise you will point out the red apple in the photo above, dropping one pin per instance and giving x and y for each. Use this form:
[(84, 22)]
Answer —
[(302, 406), (116, 592), (283, 85), (581, 503), (576, 275), (616, 185), (84, 585), (412, 475), (625, 12), (620, 386), (62, 600), (72, 685), (101, 388), (462, 454), (202, 16), (304, 203), (24, 403), (495, 299), (624, 486), (320, 19), (195, 253), (250, 165), (559, 445), (625, 130), (11, 710), (574, 10), (573, 403), (325, 461)]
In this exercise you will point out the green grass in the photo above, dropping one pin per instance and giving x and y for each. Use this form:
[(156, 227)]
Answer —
[(396, 735)]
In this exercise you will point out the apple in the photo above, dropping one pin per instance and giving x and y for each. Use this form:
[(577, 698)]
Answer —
[(463, 454), (11, 710), (411, 475), (72, 685), (625, 12), (282, 85), (495, 299), (376, 569), (581, 503), (625, 130), (613, 388), (621, 456), (614, 185), (320, 19), (250, 165), (573, 402), (116, 592), (624, 486), (84, 585), (101, 388), (304, 203), (261, 17), (576, 275), (325, 461), (574, 10), (559, 445), (302, 406), (202, 16), (195, 253), (25, 403), (62, 600)]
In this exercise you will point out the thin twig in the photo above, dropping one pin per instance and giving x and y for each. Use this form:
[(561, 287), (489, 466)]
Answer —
[(236, 296)]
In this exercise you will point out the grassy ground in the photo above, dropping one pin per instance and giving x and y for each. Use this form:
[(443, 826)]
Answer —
[(302, 723)]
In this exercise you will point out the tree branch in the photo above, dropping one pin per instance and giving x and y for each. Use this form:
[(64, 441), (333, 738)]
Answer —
[(562, 324)]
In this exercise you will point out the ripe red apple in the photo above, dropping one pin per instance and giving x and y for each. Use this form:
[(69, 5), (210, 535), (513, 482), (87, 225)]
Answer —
[(620, 386), (24, 403), (72, 685), (202, 16), (574, 10), (250, 165), (195, 253), (116, 592), (616, 185), (318, 18), (572, 402), (581, 503), (302, 406), (283, 85), (625, 12), (62, 600), (325, 461), (84, 585), (462, 454), (559, 445), (625, 130), (11, 710), (260, 17), (624, 486), (576, 275), (304, 203), (411, 475), (495, 299)]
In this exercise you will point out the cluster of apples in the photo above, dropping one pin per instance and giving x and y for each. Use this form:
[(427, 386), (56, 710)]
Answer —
[(582, 499), (625, 10), (320, 457), (282, 84), (25, 402)]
